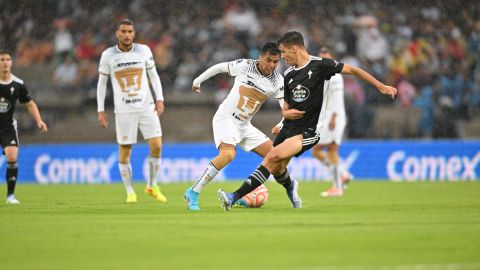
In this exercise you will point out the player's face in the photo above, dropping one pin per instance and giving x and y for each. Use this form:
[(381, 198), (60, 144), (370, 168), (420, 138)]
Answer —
[(267, 63), (5, 62), (125, 35), (289, 54)]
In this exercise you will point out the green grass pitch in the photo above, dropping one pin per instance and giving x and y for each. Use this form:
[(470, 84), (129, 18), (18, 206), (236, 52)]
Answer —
[(376, 225)]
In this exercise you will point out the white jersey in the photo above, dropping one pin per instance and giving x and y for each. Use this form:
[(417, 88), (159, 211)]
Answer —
[(127, 70), (333, 102), (250, 90)]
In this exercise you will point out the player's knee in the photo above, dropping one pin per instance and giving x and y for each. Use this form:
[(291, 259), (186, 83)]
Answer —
[(273, 158), (333, 156), (225, 156), (156, 150)]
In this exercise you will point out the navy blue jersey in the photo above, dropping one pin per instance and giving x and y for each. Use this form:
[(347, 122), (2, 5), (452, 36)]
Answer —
[(9, 94), (304, 89)]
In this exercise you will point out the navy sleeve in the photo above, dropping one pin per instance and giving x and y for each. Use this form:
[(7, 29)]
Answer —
[(330, 67), (24, 96)]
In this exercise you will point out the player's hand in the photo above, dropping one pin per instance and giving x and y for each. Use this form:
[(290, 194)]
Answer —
[(196, 89), (293, 114), (42, 126), (276, 129), (159, 107), (102, 119), (388, 90)]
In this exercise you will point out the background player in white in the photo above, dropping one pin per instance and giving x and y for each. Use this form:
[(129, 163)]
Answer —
[(332, 124), (128, 65), (11, 90), (255, 81)]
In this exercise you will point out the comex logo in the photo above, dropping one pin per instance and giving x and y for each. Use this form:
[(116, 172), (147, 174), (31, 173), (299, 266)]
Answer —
[(401, 166), (300, 93)]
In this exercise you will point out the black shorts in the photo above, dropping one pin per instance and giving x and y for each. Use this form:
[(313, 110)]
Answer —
[(8, 136), (310, 137)]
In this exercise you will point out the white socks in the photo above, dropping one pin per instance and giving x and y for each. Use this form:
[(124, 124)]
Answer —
[(207, 176), (153, 169), (337, 181), (126, 173)]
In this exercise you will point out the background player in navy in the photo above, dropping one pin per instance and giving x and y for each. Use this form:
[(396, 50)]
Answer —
[(11, 90), (303, 86)]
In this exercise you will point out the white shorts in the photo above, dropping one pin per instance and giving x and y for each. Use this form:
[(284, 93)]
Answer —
[(127, 125), (335, 135), (232, 131)]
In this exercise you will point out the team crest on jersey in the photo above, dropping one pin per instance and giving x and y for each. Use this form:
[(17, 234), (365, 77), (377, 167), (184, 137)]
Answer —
[(4, 105), (300, 93)]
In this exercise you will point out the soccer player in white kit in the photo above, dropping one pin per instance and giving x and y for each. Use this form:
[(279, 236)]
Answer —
[(128, 65), (332, 124), (255, 81)]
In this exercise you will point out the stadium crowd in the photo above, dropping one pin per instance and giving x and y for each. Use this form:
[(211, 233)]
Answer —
[(429, 50)]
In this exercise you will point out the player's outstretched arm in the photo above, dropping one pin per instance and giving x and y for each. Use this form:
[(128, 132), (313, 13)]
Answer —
[(207, 74), (362, 74), (33, 110)]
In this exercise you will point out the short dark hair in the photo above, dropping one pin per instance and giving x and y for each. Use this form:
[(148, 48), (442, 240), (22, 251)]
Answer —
[(4, 51), (291, 38), (271, 48), (125, 22)]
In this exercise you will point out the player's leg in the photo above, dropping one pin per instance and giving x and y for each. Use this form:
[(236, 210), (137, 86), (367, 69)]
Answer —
[(275, 161), (11, 154), (149, 125), (319, 154), (337, 188), (226, 135), (126, 128)]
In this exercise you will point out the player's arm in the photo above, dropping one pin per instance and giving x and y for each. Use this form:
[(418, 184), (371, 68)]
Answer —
[(276, 129), (101, 93), (291, 114), (207, 74), (33, 110), (157, 89), (362, 74)]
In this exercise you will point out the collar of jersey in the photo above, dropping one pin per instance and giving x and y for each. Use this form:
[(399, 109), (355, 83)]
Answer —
[(131, 50), (295, 68)]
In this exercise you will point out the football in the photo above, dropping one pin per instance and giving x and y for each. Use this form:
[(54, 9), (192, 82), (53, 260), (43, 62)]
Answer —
[(256, 198)]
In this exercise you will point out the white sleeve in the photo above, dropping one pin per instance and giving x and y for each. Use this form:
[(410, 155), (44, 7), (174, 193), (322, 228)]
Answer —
[(104, 68), (156, 84), (236, 67), (149, 62), (101, 92), (210, 72), (279, 94)]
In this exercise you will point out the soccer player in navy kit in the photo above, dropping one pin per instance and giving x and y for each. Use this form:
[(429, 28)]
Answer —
[(12, 89), (303, 95)]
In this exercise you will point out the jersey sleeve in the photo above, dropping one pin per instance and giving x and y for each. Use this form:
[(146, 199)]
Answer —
[(330, 67), (235, 68), (24, 96), (149, 62), (279, 93), (103, 66)]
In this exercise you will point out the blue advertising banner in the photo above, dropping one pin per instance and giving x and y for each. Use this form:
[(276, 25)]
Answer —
[(372, 160)]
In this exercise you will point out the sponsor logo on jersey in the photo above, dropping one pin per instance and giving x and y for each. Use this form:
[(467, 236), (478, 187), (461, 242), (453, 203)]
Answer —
[(300, 93), (4, 105), (127, 64)]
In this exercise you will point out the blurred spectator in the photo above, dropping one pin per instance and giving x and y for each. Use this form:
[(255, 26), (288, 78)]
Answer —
[(66, 74)]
